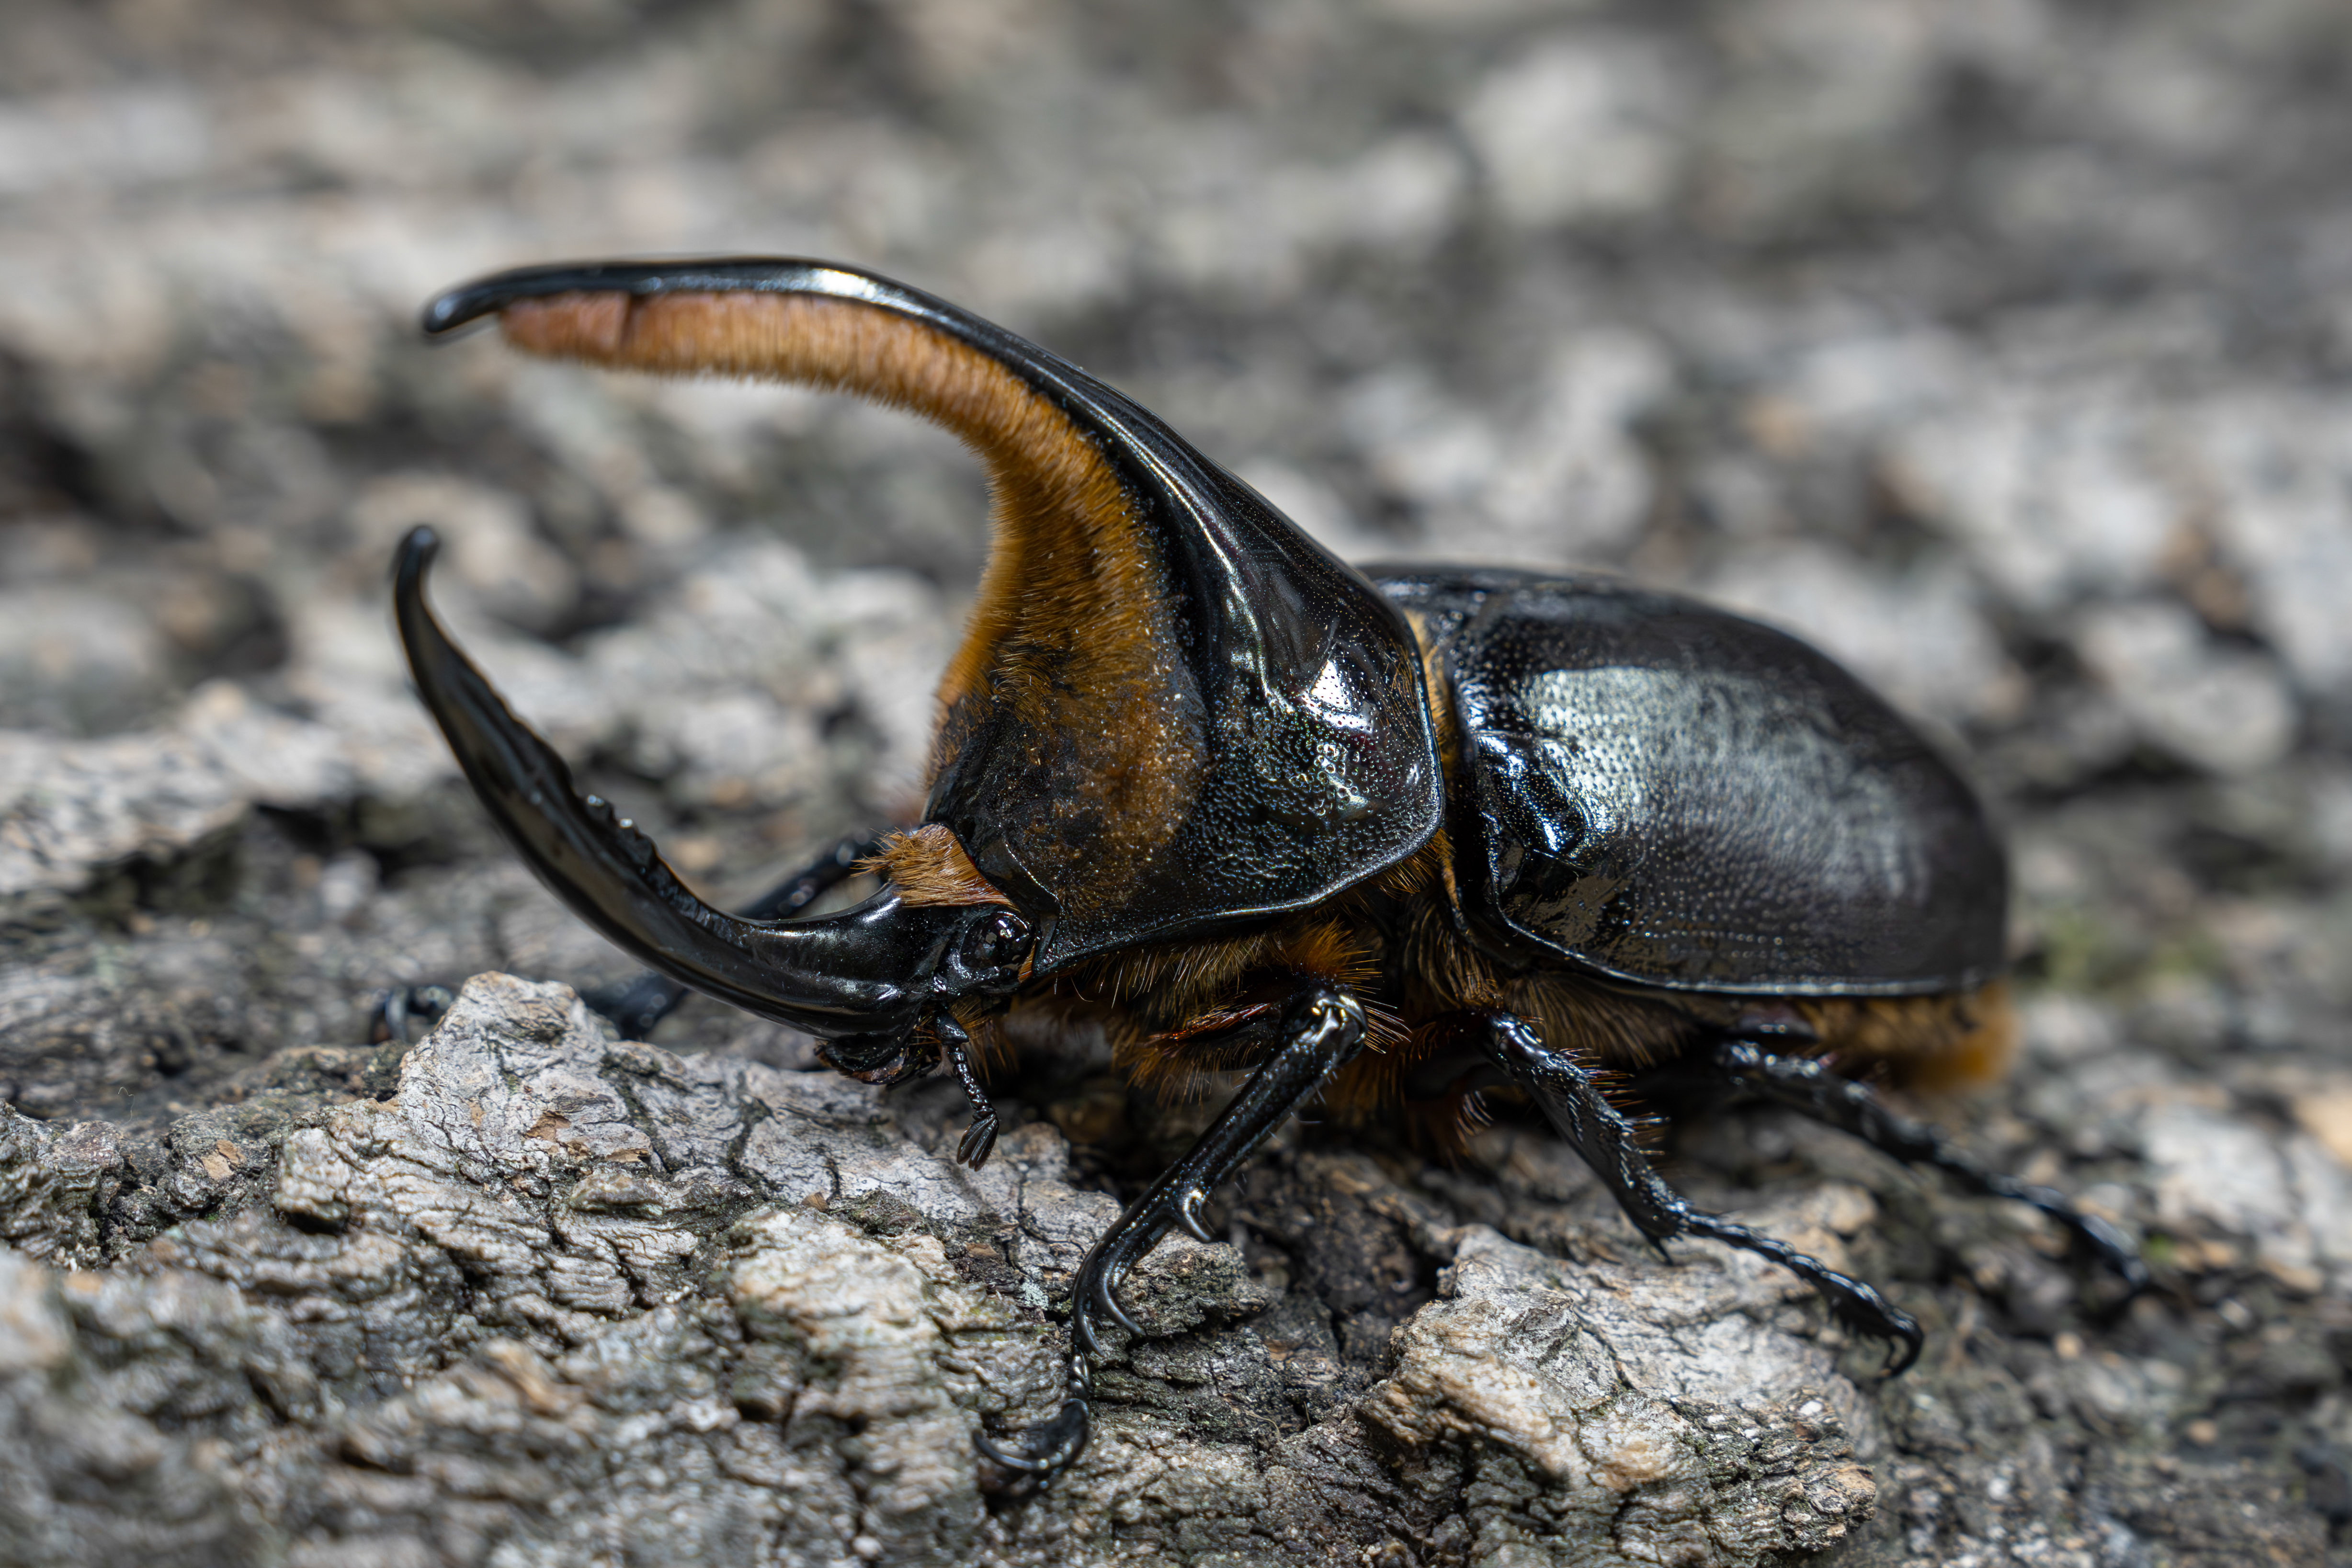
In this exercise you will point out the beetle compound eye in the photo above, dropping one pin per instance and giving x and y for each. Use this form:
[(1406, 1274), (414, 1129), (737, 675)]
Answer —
[(997, 942)]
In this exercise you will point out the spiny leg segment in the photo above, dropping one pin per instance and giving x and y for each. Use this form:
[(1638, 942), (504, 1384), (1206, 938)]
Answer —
[(1599, 1132)]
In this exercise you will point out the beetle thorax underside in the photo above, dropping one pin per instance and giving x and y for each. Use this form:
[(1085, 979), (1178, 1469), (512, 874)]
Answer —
[(1174, 1013)]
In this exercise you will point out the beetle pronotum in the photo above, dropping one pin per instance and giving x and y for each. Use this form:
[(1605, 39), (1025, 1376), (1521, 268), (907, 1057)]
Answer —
[(1395, 834)]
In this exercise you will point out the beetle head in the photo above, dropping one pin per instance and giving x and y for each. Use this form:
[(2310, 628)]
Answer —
[(985, 956)]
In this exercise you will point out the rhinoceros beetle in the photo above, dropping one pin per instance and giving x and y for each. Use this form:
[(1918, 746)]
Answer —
[(1382, 835)]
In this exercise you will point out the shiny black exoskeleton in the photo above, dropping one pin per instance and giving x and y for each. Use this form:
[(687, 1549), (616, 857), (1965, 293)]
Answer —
[(1251, 809)]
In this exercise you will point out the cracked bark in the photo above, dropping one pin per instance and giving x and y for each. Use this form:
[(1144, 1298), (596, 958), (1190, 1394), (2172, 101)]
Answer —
[(555, 1291)]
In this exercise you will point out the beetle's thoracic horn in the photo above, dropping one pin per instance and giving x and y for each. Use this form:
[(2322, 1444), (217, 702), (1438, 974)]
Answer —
[(868, 970), (1172, 708)]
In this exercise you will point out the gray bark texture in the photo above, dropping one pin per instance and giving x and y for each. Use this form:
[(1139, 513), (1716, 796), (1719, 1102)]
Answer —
[(1999, 349), (554, 1294)]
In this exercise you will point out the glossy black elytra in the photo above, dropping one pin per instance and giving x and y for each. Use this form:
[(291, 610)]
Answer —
[(1392, 836)]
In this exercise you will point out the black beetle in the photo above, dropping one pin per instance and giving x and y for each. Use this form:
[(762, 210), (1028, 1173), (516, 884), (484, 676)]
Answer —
[(1395, 834)]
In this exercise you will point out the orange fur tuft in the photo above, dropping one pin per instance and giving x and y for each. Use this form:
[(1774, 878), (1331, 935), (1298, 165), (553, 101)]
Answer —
[(928, 866), (1947, 1042)]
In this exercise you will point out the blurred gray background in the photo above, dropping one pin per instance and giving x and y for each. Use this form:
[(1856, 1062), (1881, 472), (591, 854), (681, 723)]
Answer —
[(1999, 346)]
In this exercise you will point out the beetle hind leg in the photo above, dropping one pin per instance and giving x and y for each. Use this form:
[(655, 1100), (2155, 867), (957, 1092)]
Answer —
[(1810, 1087), (1855, 1304), (1599, 1132), (1321, 1028)]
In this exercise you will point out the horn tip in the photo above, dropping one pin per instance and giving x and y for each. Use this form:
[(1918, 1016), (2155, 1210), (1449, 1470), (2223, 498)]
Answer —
[(458, 308), (455, 308), (418, 548)]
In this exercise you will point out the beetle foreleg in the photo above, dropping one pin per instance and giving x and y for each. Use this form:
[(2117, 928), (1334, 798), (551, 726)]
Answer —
[(978, 1138), (1809, 1085), (1322, 1029), (1578, 1112)]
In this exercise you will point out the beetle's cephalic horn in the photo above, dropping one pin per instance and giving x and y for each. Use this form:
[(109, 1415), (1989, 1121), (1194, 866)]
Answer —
[(1171, 710), (869, 970)]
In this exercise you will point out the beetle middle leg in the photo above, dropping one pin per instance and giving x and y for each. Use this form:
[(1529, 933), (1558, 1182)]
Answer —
[(1320, 1029), (1599, 1132), (1809, 1085)]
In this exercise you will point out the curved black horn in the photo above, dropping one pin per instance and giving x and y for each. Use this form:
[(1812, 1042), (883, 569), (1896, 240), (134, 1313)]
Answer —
[(1172, 711), (868, 970)]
